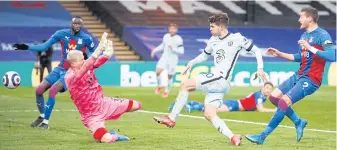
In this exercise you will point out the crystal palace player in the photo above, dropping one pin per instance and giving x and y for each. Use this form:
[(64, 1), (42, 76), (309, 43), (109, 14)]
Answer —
[(225, 48), (252, 102), (87, 94), (316, 48), (70, 39)]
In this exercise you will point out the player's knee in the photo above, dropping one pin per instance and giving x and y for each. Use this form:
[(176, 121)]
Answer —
[(53, 91), (99, 134), (284, 103), (40, 90), (208, 115)]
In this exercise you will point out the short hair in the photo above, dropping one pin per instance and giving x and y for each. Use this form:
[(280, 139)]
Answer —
[(312, 12), (268, 83), (219, 19), (76, 17), (173, 25), (72, 54)]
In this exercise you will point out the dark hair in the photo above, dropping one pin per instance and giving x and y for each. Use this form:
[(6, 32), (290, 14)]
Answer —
[(268, 83), (219, 19), (312, 12)]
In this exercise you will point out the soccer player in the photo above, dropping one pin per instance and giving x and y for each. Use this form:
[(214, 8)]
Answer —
[(252, 102), (172, 45), (315, 49), (87, 93), (225, 48), (70, 39)]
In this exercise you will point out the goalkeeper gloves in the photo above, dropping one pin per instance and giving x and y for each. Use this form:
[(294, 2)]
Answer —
[(109, 50), (20, 46), (101, 46)]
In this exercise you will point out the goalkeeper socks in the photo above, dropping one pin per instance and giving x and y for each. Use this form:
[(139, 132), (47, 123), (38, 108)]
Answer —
[(277, 118), (221, 126), (179, 104)]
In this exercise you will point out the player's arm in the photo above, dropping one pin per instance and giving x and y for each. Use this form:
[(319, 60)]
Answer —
[(90, 45), (250, 47), (40, 47), (203, 56), (180, 48), (261, 108), (107, 54), (329, 50), (291, 57)]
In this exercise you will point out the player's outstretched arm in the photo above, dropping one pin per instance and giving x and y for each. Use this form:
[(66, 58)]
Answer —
[(107, 54), (329, 52), (291, 57), (39, 47), (260, 108), (89, 63), (158, 48)]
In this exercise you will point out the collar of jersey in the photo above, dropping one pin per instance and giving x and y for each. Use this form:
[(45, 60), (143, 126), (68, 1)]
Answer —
[(225, 36)]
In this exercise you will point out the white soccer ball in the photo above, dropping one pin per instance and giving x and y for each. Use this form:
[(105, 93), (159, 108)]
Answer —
[(11, 79)]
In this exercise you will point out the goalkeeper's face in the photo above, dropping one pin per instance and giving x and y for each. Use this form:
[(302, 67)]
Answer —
[(76, 25), (75, 58)]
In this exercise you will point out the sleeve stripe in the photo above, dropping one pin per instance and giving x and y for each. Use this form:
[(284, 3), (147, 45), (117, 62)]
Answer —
[(326, 45), (250, 47), (207, 52), (180, 45)]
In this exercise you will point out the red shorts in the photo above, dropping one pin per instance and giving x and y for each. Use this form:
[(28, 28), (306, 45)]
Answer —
[(111, 109)]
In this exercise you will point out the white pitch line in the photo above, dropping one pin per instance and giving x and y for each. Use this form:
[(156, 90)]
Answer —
[(182, 115)]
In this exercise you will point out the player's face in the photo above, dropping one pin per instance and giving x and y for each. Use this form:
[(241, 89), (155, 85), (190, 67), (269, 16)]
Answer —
[(172, 30), (79, 61), (76, 25), (304, 20), (215, 29), (267, 89)]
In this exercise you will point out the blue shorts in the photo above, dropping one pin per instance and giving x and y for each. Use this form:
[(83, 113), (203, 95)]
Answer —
[(232, 104), (57, 75), (297, 87)]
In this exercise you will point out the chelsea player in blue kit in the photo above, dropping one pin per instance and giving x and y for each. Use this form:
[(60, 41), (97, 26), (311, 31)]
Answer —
[(70, 39), (316, 48)]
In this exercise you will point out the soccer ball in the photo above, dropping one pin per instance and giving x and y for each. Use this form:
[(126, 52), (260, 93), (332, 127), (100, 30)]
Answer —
[(11, 79)]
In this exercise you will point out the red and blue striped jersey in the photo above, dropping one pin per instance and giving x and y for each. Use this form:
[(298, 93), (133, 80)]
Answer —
[(312, 66)]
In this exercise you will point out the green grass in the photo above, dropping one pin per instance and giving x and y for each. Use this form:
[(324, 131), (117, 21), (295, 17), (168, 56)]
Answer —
[(67, 132)]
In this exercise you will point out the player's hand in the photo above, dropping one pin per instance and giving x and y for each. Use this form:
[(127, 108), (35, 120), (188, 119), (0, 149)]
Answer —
[(20, 46), (260, 73), (187, 68), (152, 53), (109, 50), (304, 44), (101, 46), (103, 42), (273, 51)]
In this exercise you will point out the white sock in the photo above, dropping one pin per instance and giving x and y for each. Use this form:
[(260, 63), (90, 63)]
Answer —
[(45, 121), (159, 81), (42, 115), (179, 104), (221, 126), (169, 85)]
